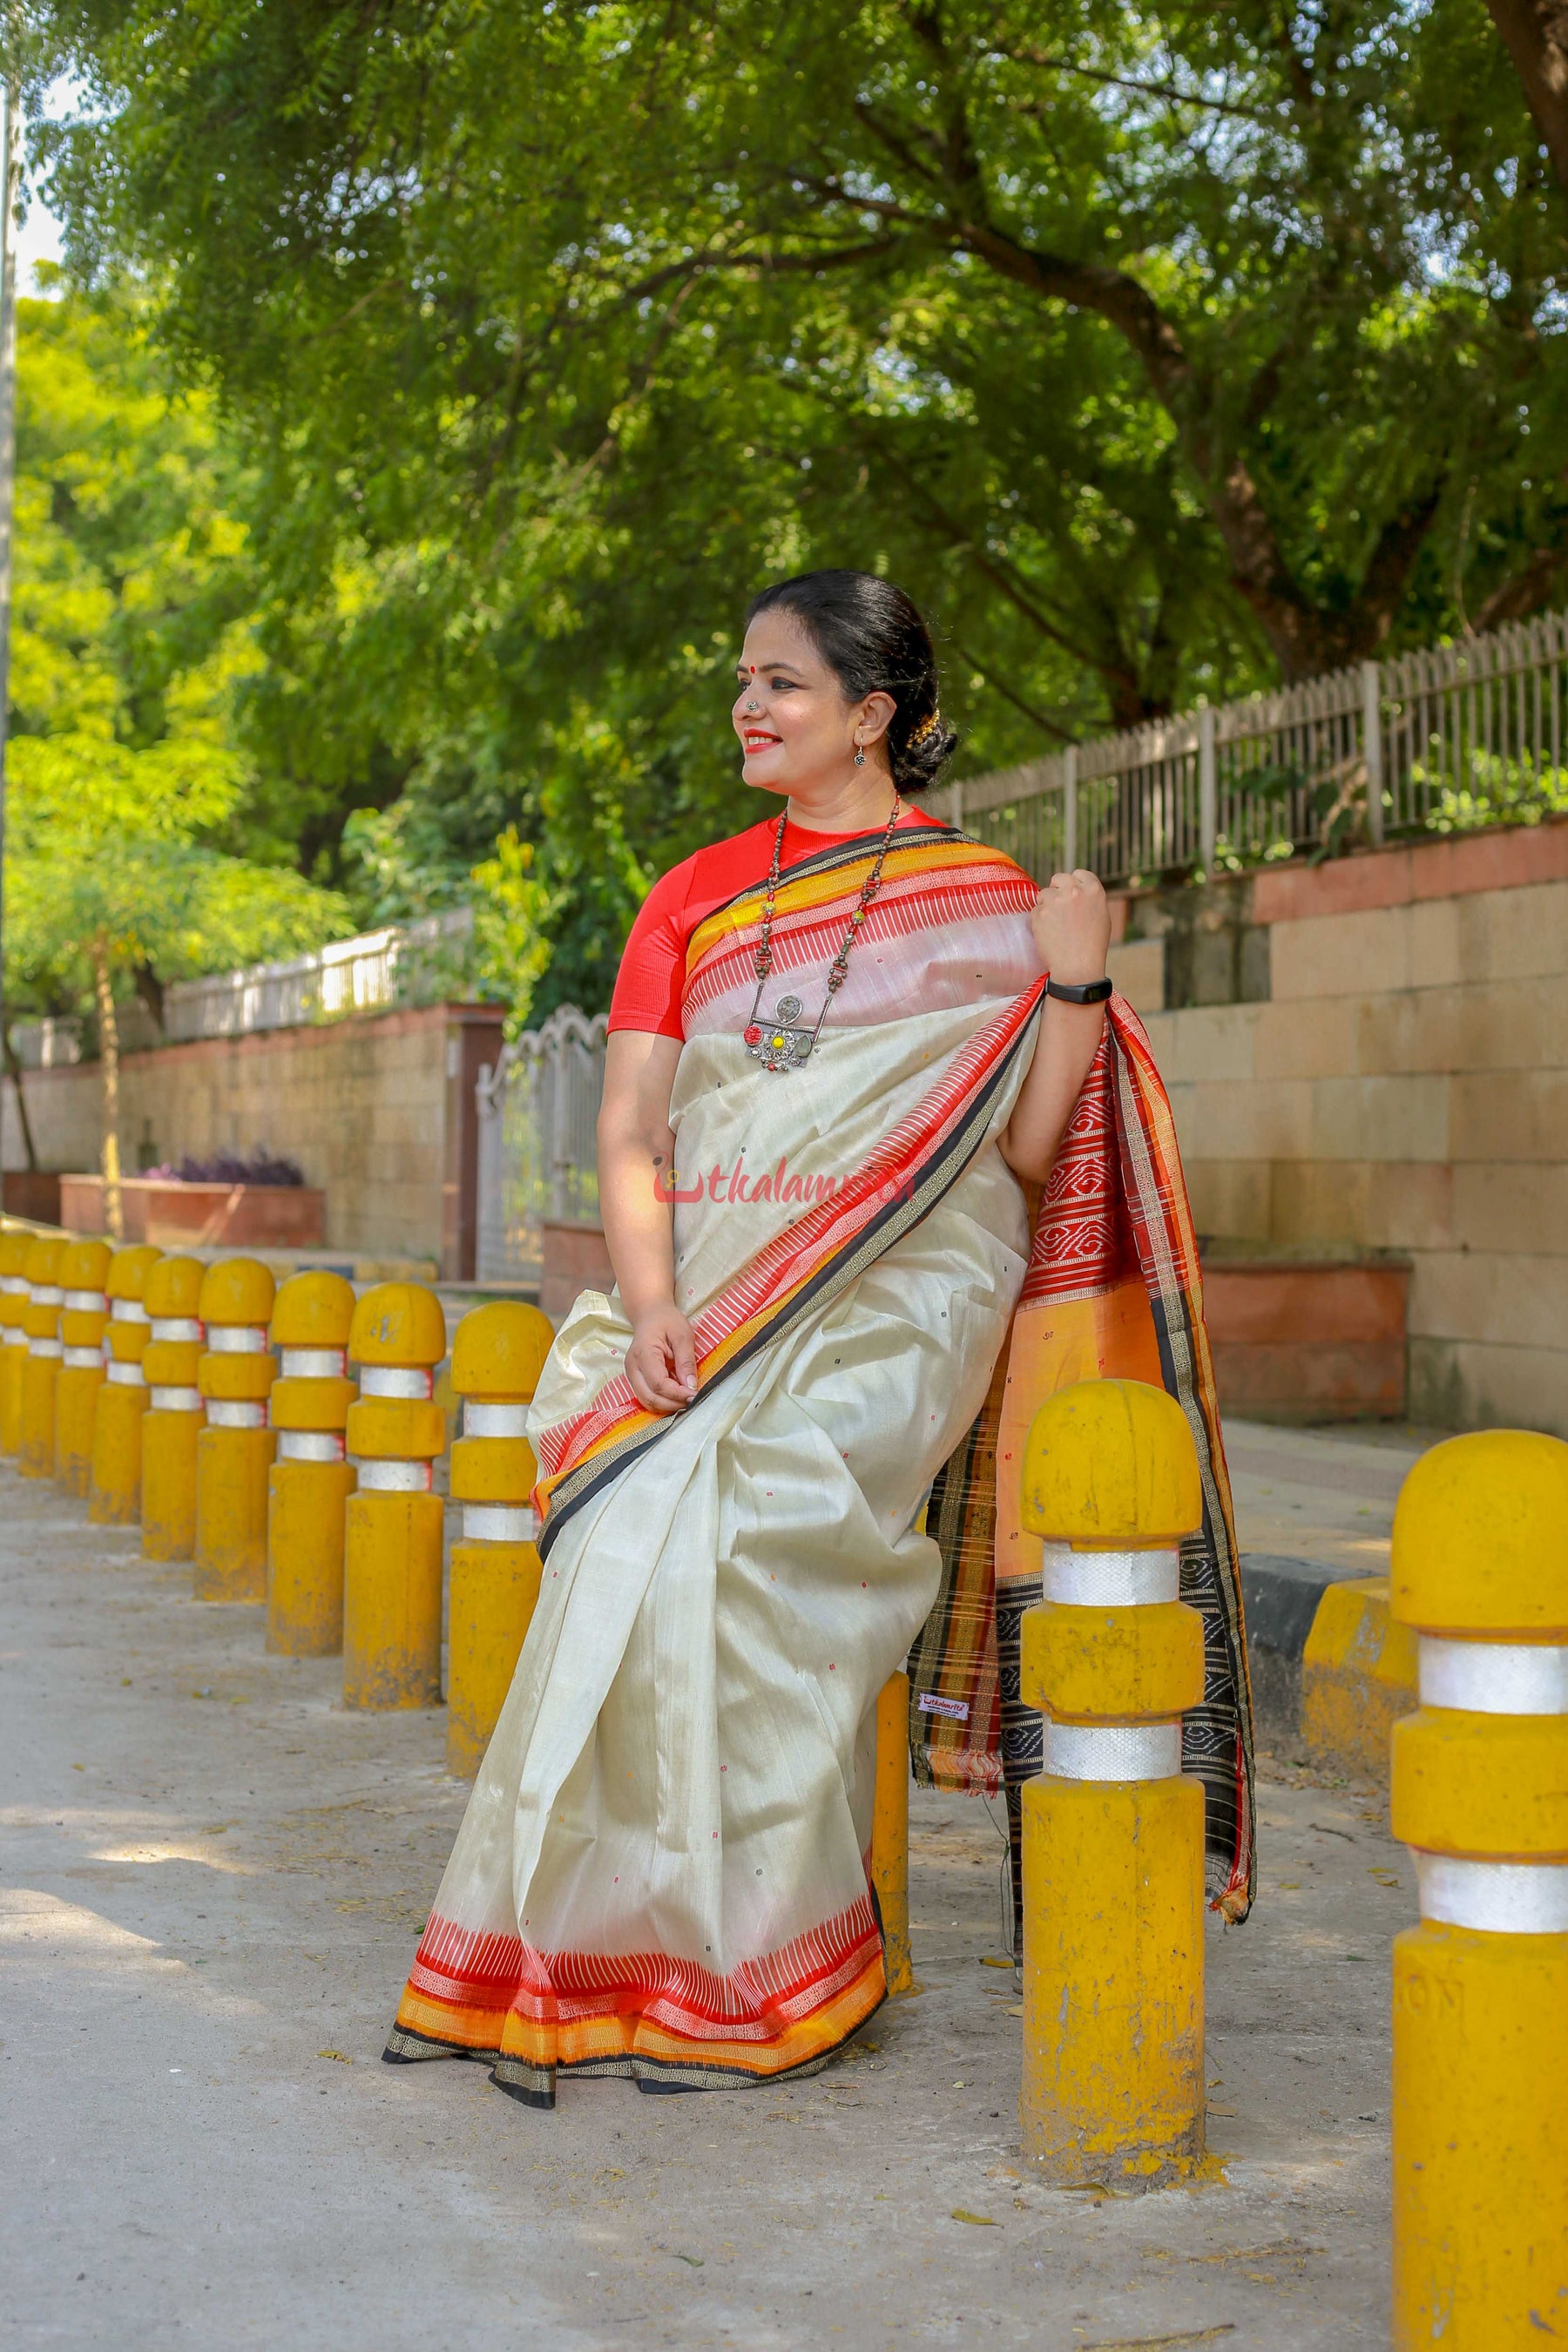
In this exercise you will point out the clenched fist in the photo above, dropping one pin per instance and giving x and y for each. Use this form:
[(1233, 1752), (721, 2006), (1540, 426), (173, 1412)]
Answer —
[(1071, 924)]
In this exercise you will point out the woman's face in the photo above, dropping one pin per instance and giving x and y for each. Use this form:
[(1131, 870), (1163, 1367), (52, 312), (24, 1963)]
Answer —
[(802, 730)]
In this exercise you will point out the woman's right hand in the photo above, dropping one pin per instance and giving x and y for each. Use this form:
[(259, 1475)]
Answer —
[(662, 1361)]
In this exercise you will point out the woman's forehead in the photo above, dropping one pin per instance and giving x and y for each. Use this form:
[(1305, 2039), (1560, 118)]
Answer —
[(776, 640)]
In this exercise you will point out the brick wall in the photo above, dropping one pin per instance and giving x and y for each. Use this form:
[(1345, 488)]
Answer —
[(1373, 1055), (378, 1111)]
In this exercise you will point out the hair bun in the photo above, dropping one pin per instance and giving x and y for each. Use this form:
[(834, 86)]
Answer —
[(920, 760)]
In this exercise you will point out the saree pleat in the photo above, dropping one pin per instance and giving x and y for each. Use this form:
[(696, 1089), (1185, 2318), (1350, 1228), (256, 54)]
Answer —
[(663, 1872)]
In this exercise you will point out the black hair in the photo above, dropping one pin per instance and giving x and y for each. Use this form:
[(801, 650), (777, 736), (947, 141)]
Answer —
[(874, 641)]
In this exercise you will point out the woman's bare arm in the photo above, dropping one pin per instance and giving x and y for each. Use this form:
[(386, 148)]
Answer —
[(636, 1148), (1071, 923)]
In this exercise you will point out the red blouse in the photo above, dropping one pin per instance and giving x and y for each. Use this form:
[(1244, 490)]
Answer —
[(652, 977)]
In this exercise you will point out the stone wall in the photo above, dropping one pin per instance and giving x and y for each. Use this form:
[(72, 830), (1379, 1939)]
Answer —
[(1372, 1056), (377, 1110)]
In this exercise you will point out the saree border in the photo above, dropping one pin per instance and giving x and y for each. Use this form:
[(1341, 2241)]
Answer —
[(913, 1201)]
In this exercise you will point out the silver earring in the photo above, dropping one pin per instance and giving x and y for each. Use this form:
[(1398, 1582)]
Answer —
[(859, 755)]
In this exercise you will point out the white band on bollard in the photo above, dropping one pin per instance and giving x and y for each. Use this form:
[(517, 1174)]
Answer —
[(393, 1477), (236, 1338), (87, 1302), (15, 1336), (1112, 1751), (82, 1358), (46, 1294), (1109, 1579), (395, 1381), (1493, 1677), (126, 1310), (175, 1400), (309, 1446), (494, 1420), (126, 1376), (1500, 1898), (175, 1327), (499, 1523), (16, 1285), (44, 1348), (226, 1413), (312, 1364)]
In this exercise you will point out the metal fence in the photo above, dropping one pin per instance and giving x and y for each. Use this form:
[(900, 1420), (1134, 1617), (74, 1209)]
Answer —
[(404, 965), (538, 1159), (1447, 740)]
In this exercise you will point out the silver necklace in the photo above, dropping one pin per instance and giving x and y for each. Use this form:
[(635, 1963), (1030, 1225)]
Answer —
[(779, 1044)]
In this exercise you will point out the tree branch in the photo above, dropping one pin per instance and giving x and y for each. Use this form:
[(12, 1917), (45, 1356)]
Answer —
[(1535, 34), (1044, 62), (1010, 693)]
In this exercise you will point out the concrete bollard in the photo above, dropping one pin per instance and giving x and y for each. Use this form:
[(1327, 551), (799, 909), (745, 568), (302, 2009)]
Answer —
[(1113, 1832), (310, 1480), (233, 1452), (1481, 1987), (84, 1311), (40, 1373), (393, 1524), (15, 1244), (114, 1485), (497, 1358), (891, 1831), (173, 1419)]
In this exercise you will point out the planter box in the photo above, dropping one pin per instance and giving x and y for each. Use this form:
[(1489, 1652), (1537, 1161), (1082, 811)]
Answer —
[(200, 1216), (1304, 1342), (575, 1259), (32, 1193)]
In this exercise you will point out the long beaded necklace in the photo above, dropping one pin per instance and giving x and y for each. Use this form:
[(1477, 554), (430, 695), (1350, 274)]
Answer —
[(778, 1044)]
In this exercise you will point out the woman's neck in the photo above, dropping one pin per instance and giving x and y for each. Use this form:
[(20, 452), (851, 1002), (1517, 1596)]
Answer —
[(861, 803)]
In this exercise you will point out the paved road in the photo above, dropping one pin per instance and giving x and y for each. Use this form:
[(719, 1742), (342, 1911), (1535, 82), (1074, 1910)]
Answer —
[(212, 1879)]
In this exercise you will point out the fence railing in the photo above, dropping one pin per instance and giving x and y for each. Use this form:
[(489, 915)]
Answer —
[(379, 967), (537, 1157), (1446, 741)]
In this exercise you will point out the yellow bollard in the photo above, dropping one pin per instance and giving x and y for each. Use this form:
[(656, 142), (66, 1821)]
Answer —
[(1113, 1832), (891, 1831), (233, 1452), (15, 1244), (310, 1480), (1481, 1987), (40, 1373), (114, 1485), (497, 1358), (172, 1421), (393, 1525), (84, 1311)]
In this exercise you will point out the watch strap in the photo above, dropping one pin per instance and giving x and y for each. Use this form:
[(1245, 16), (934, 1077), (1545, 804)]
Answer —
[(1087, 991)]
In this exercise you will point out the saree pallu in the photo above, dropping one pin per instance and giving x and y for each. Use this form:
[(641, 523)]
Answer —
[(663, 1871)]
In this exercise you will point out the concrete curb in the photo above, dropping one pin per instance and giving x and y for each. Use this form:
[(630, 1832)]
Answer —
[(1331, 1670)]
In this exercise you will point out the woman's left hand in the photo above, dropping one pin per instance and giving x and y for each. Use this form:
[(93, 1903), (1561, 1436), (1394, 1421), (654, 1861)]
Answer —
[(1071, 924)]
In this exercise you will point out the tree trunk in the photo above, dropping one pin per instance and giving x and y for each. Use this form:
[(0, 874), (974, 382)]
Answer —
[(13, 1064), (1535, 34), (108, 1065)]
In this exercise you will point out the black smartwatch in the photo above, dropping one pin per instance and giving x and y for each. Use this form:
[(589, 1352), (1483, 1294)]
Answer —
[(1087, 991)]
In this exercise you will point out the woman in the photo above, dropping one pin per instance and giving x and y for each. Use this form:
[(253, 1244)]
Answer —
[(836, 1062)]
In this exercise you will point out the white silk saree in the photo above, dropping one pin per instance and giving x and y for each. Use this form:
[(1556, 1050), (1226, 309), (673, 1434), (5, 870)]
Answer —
[(663, 1872)]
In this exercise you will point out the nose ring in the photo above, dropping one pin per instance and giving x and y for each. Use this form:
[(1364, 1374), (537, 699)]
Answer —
[(751, 710)]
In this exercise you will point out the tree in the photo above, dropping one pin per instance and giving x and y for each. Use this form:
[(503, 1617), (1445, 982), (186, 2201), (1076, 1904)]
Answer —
[(133, 804), (108, 876), (1162, 351)]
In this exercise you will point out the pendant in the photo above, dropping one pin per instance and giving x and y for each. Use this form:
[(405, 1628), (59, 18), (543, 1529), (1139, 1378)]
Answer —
[(775, 1043)]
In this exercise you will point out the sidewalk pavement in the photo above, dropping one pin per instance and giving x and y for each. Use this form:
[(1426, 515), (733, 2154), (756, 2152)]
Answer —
[(1323, 1494), (213, 1881)]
